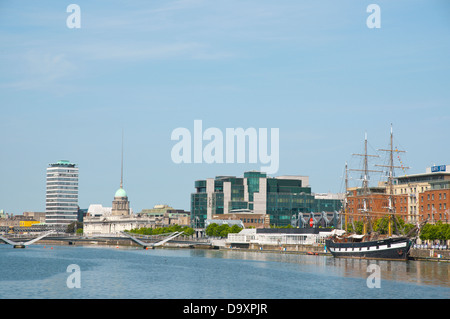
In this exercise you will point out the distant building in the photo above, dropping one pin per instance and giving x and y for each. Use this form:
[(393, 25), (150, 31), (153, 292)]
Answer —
[(425, 194), (416, 197), (111, 221), (435, 202), (120, 204), (246, 217), (38, 216), (97, 210), (377, 203), (282, 198), (165, 215), (61, 205)]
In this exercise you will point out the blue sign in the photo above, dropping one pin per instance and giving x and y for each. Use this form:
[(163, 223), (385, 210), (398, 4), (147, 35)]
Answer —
[(440, 168)]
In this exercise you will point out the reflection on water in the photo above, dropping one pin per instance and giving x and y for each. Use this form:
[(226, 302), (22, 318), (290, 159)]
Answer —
[(417, 272), (38, 272)]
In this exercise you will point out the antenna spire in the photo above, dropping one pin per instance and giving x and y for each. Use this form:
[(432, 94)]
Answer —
[(121, 166)]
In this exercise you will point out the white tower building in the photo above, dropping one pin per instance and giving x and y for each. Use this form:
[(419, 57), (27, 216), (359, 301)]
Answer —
[(61, 205)]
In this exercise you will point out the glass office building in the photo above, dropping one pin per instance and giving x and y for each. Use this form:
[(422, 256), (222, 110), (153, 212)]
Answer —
[(61, 205), (282, 198)]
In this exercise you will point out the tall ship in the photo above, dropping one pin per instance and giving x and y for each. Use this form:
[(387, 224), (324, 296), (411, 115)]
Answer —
[(371, 244)]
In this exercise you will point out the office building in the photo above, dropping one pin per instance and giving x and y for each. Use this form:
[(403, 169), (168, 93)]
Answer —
[(61, 206), (282, 198)]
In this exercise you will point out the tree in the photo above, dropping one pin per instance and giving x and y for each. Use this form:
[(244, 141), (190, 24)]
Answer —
[(235, 229), (188, 231), (439, 231), (72, 226), (214, 230)]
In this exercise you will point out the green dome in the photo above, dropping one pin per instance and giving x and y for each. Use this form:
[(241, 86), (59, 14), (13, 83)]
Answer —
[(121, 193)]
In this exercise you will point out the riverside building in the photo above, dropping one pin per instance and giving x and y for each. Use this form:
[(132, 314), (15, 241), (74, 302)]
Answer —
[(427, 194), (416, 197), (281, 198), (61, 204)]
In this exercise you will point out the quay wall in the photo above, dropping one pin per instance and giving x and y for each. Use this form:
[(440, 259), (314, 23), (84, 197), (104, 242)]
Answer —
[(316, 249), (430, 254), (287, 248)]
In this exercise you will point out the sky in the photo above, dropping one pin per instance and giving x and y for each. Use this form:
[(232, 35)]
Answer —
[(312, 69)]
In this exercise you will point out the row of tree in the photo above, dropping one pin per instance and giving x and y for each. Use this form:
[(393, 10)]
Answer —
[(438, 231), (216, 230), (188, 231), (381, 226)]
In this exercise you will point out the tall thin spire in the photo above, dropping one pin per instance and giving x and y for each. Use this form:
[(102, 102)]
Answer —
[(121, 166)]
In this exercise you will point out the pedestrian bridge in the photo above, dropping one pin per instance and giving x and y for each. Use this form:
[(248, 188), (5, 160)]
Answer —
[(152, 245), (22, 244)]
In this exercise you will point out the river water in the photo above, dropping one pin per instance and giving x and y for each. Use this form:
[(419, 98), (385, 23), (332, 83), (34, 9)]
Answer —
[(108, 272)]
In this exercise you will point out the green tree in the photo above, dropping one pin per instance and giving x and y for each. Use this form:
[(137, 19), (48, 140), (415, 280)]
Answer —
[(211, 230), (235, 229), (72, 226), (214, 230), (439, 231), (188, 231), (358, 229)]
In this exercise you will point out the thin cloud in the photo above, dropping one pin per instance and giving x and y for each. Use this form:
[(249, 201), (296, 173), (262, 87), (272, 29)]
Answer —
[(41, 70)]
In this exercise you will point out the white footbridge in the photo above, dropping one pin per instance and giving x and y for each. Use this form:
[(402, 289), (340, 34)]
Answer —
[(153, 245), (22, 244)]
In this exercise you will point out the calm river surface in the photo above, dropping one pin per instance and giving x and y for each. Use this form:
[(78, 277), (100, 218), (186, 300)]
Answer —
[(107, 272)]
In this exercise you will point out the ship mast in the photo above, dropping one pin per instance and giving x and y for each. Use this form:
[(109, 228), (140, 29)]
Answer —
[(365, 185), (390, 181), (346, 197)]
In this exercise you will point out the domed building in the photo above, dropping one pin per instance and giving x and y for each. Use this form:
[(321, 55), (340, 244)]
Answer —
[(120, 204)]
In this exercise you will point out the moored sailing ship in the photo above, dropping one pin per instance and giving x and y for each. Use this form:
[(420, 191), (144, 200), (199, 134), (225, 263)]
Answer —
[(371, 245)]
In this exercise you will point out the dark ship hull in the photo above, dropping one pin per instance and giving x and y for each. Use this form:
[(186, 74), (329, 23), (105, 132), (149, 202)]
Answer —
[(390, 249)]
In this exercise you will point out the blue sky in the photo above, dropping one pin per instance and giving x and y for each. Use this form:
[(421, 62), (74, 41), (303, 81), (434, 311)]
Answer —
[(313, 69)]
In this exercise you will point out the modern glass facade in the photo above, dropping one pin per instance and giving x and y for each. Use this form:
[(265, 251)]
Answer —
[(282, 198), (61, 205)]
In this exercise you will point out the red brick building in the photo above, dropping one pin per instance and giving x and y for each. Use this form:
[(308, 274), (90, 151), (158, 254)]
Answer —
[(377, 203), (435, 203)]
